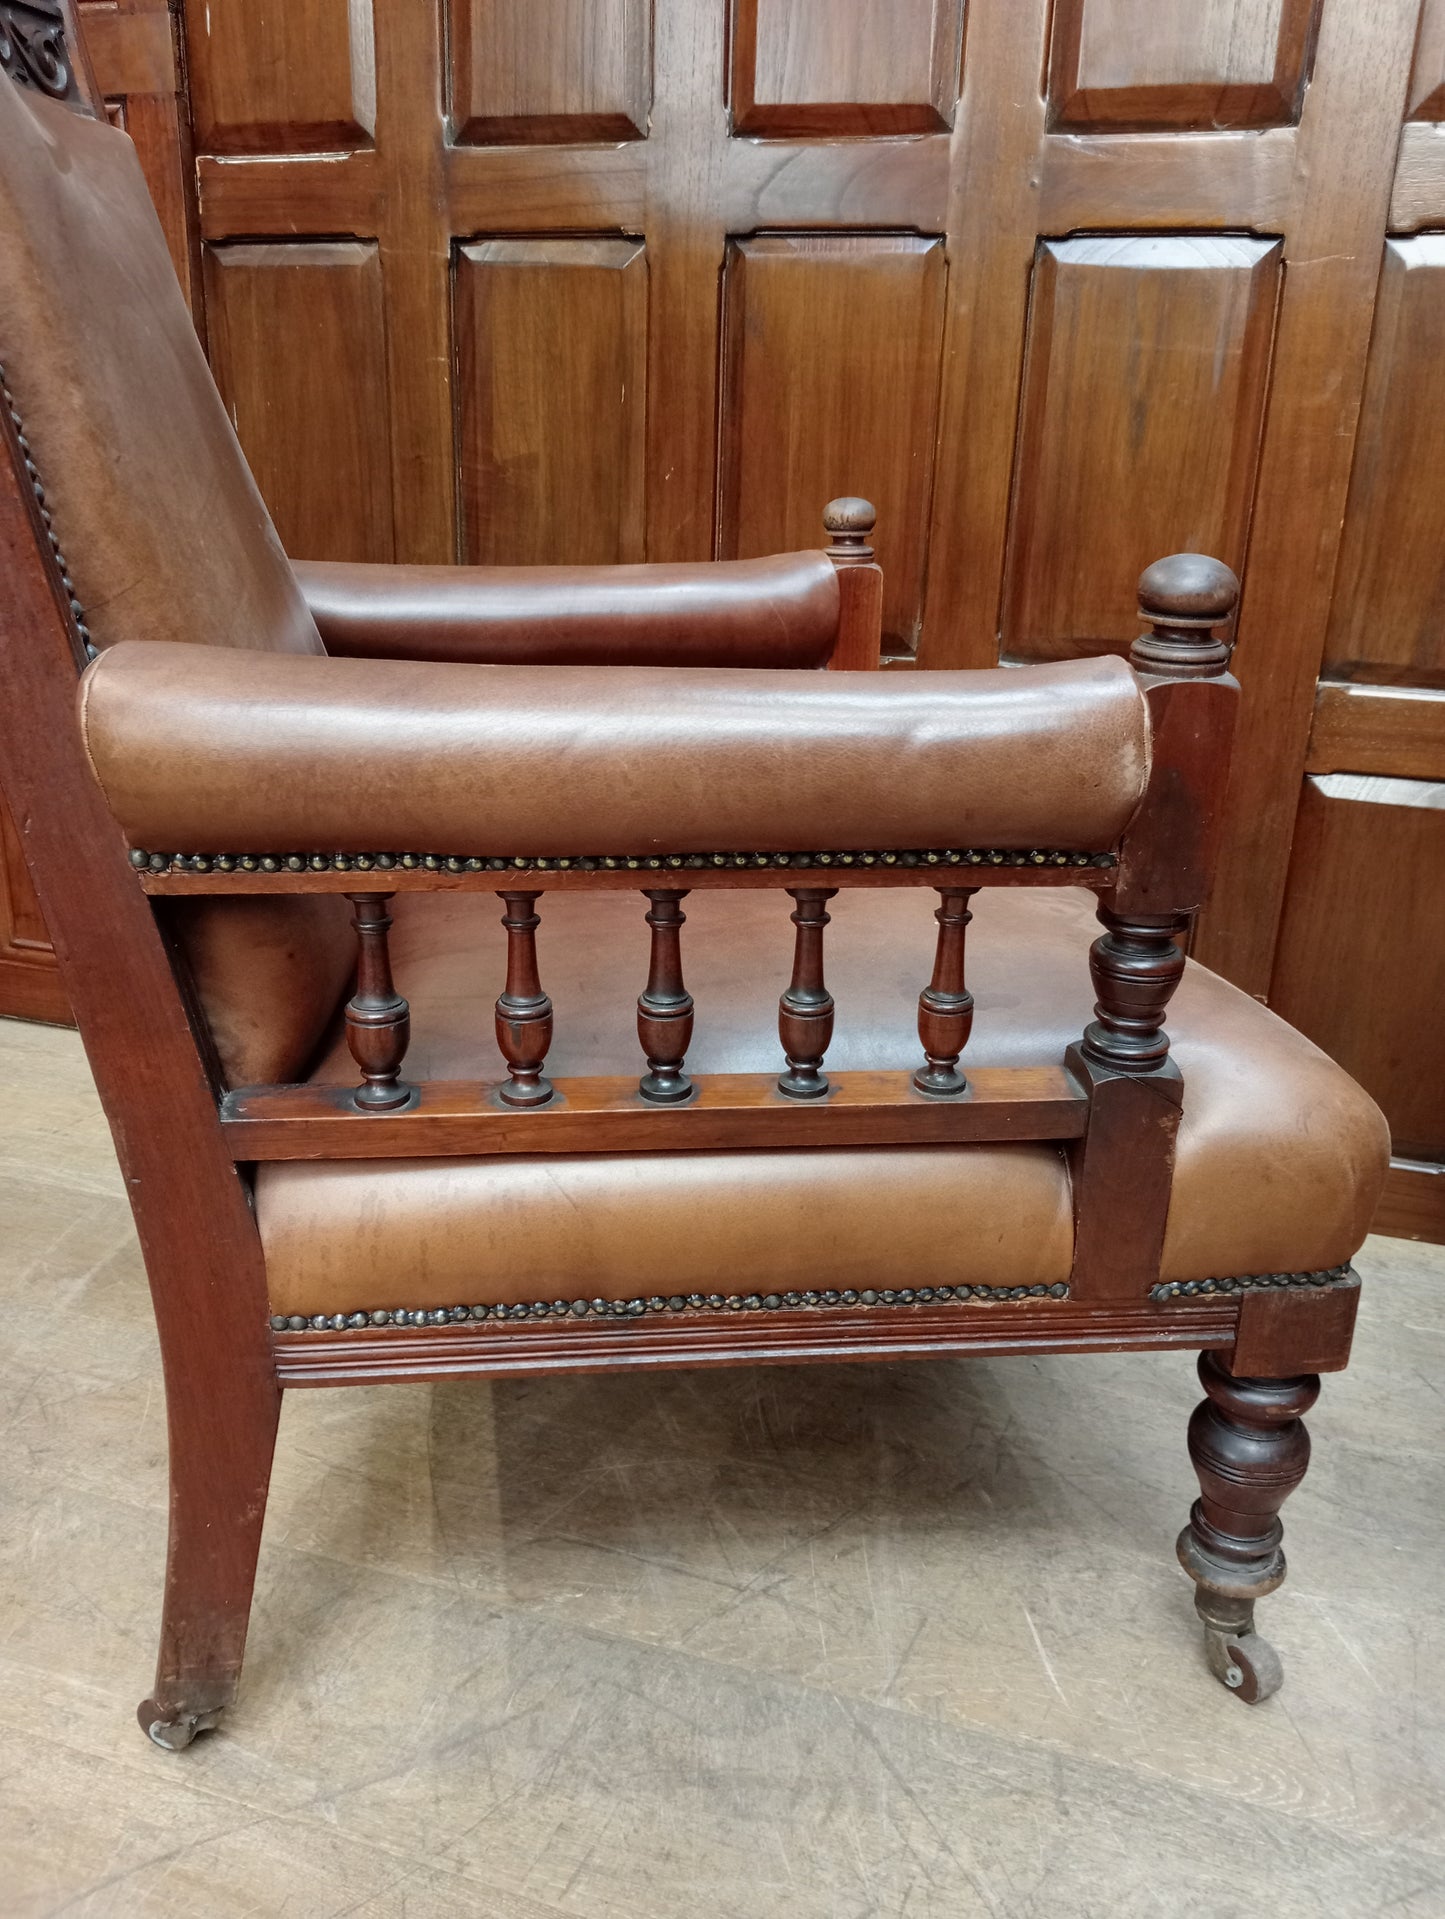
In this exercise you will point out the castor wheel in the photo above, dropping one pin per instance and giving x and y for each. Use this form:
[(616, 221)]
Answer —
[(1244, 1662), (176, 1733)]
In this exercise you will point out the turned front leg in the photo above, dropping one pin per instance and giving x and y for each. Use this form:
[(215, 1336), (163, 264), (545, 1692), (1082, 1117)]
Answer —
[(524, 1012), (1250, 1449)]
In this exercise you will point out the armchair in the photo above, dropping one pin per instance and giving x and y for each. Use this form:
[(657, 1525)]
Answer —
[(272, 874)]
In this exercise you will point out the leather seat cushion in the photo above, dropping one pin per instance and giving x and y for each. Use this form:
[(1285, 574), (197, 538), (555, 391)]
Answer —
[(1280, 1161)]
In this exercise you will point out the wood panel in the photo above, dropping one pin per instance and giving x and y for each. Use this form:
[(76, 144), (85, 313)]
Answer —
[(803, 67), (1389, 605), (298, 345), (551, 399), (1426, 99), (1397, 730), (544, 70), (1361, 960), (1136, 64), (292, 76), (30, 985), (830, 386), (1143, 393)]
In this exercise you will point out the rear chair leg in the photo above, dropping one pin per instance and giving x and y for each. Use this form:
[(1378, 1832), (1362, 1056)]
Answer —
[(222, 1437), (1249, 1446)]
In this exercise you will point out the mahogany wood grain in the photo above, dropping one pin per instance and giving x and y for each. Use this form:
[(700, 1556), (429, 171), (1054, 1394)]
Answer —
[(1368, 983), (800, 311), (605, 1114), (1127, 65), (1278, 1335), (849, 524), (1387, 603), (30, 983), (1129, 336), (299, 78), (799, 68), (751, 1339), (1396, 731), (1167, 181), (335, 502), (1349, 133), (573, 70), (551, 338)]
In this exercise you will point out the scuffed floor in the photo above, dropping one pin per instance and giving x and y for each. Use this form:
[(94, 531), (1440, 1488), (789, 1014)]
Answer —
[(827, 1643)]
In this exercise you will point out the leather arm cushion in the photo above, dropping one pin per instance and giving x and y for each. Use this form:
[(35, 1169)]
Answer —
[(775, 612), (211, 749)]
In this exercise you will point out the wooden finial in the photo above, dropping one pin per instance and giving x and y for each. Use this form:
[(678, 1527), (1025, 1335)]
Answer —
[(848, 522), (1185, 598)]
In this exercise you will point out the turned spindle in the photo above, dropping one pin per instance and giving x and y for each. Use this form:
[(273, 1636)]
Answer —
[(664, 1010), (524, 1012), (805, 1011), (1135, 968), (945, 1006), (1250, 1449), (378, 1019), (1186, 599)]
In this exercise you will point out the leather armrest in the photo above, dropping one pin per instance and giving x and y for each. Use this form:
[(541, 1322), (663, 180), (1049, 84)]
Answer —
[(211, 749), (776, 612)]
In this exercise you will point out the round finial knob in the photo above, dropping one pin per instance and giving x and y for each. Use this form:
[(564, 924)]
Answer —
[(848, 523), (1184, 598)]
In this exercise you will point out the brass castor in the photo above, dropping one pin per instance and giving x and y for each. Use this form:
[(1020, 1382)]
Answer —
[(174, 1734), (1239, 1659), (1244, 1662)]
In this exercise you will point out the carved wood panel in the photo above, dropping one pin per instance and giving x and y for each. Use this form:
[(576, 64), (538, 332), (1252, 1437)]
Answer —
[(830, 386), (801, 67), (551, 384), (1389, 607), (1135, 64), (293, 76), (549, 70), (298, 345), (1368, 982), (1139, 434)]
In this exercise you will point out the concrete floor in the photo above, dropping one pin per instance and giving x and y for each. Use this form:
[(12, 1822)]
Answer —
[(828, 1642)]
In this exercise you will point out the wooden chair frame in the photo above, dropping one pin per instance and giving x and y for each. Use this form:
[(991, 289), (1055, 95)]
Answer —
[(185, 1143)]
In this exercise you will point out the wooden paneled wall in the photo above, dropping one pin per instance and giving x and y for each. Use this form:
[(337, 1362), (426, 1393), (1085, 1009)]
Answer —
[(1062, 285)]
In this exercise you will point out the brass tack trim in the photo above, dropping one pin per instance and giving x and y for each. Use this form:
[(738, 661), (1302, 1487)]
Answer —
[(684, 1303), (37, 487), (1248, 1283), (602, 862)]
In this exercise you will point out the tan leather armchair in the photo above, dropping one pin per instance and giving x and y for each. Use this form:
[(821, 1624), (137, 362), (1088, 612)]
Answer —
[(371, 1136)]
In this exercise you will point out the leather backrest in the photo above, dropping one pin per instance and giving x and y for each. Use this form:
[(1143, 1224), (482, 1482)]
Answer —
[(163, 531)]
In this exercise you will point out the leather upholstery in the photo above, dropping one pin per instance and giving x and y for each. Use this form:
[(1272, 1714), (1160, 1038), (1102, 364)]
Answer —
[(776, 612), (153, 503), (1281, 1156), (162, 528), (200, 750)]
